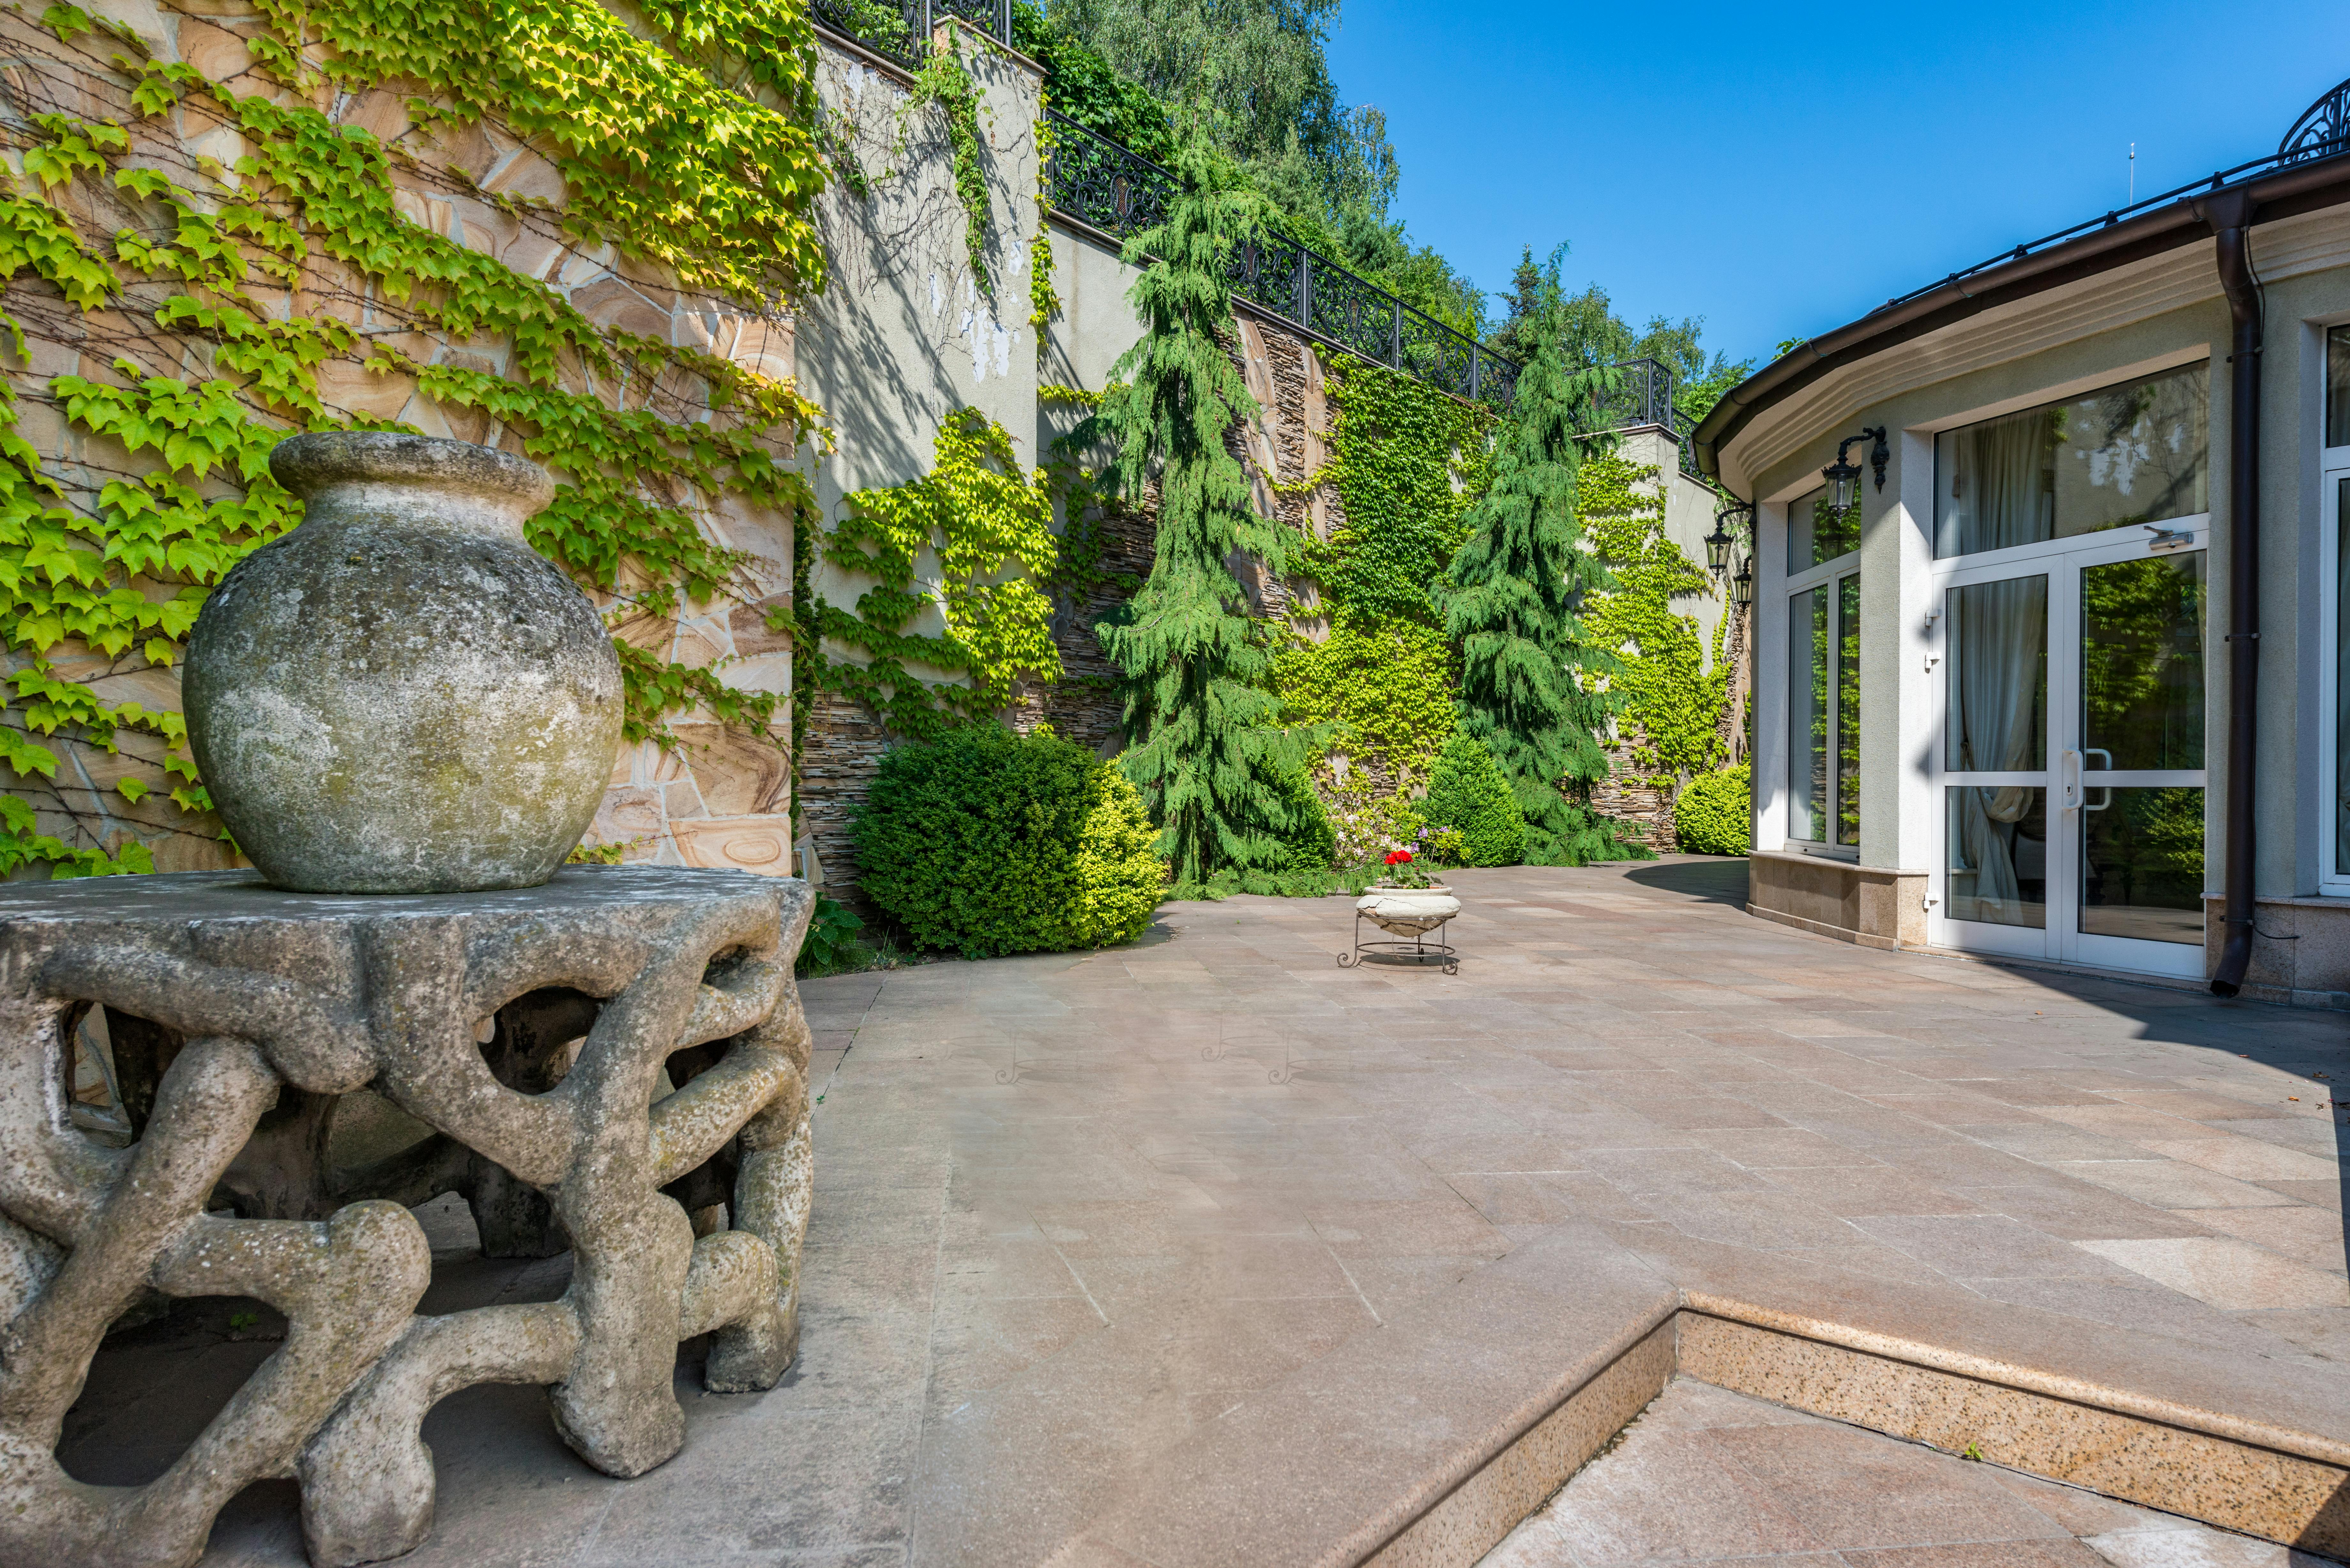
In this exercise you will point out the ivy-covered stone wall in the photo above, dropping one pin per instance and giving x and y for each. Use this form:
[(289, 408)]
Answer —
[(547, 227)]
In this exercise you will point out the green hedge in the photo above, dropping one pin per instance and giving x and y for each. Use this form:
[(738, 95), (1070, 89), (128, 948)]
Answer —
[(1714, 814), (1471, 794), (990, 843), (1309, 838)]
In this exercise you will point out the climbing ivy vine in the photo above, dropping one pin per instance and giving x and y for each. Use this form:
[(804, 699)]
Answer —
[(206, 297), (1043, 300), (979, 513), (1672, 691), (1406, 463), (943, 81)]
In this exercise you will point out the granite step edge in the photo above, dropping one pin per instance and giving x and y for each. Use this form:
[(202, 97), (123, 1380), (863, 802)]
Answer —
[(1426, 1441)]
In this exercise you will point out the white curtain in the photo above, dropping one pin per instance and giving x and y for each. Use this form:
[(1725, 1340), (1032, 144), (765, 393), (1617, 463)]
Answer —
[(2002, 633)]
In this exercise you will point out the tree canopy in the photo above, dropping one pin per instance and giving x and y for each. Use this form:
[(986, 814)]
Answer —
[(1252, 76)]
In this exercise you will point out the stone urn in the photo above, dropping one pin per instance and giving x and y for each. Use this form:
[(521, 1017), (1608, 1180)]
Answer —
[(401, 695)]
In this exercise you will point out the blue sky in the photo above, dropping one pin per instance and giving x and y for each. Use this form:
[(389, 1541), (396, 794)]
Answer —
[(1781, 169)]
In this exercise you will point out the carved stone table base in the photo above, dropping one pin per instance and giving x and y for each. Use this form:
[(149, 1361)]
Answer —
[(585, 1061)]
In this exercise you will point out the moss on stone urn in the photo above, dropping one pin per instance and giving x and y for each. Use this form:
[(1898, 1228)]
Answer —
[(401, 695)]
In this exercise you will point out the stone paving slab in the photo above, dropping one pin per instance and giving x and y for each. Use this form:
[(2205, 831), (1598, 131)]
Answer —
[(1706, 1476), (1074, 1212)]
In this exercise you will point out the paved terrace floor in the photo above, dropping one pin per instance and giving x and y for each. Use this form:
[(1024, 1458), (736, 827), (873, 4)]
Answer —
[(1076, 1212)]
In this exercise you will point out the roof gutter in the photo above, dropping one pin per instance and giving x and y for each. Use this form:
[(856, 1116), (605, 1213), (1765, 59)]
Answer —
[(2302, 188), (2231, 217)]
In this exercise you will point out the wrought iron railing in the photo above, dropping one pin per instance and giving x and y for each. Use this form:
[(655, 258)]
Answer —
[(1642, 394), (1102, 184), (1105, 186), (898, 29), (1098, 182)]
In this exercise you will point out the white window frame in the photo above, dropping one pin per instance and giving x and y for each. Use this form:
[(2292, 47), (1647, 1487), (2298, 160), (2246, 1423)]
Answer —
[(1794, 585), (2333, 468)]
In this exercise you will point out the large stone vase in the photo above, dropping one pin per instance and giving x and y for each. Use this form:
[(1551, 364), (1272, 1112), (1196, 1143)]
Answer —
[(401, 695)]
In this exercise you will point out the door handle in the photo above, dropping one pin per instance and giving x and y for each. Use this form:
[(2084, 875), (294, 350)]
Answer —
[(2068, 782), (2108, 790)]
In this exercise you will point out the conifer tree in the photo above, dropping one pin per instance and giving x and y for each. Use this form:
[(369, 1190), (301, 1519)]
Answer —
[(1204, 745), (1532, 685)]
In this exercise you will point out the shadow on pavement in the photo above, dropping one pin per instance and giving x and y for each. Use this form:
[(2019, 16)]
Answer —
[(1715, 880)]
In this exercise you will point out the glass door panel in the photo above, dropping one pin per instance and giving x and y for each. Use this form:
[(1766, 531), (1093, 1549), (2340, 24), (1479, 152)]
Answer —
[(1847, 794), (2142, 863), (2140, 828), (1998, 677), (1998, 855), (2071, 763), (2142, 663), (1995, 796)]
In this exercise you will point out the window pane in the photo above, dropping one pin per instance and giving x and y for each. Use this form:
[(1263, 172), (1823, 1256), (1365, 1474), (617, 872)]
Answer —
[(1817, 531), (2338, 386), (2142, 662), (1995, 483), (1998, 677), (2137, 452), (2341, 677), (2142, 863), (1998, 855), (1807, 716), (1847, 793)]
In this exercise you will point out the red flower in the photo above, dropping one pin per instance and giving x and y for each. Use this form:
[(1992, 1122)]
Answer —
[(1398, 857)]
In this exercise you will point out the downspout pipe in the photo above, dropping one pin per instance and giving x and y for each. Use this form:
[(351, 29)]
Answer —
[(2230, 213)]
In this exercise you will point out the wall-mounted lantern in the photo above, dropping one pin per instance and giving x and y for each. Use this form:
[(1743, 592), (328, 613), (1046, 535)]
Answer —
[(1841, 473), (1741, 586), (1718, 543)]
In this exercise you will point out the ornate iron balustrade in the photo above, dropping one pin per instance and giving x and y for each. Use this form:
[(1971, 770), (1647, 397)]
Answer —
[(1095, 180), (897, 31), (1643, 395), (2322, 129)]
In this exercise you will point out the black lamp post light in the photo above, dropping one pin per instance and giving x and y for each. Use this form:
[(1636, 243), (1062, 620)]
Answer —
[(1841, 473)]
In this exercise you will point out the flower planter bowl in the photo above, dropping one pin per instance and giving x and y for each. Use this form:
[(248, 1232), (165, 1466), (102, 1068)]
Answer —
[(1410, 916)]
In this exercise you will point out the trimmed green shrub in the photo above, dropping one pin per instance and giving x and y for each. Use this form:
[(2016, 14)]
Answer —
[(1715, 813), (1471, 794), (1309, 843), (989, 842)]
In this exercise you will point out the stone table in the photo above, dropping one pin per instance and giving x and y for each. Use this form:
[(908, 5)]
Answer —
[(613, 1063)]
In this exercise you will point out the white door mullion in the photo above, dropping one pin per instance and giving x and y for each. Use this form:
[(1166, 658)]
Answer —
[(2063, 735)]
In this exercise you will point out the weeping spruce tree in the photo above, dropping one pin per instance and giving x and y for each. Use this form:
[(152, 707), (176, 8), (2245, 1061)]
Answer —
[(1204, 746), (1532, 682)]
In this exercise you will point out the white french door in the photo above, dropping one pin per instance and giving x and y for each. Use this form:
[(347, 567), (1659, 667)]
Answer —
[(2069, 768)]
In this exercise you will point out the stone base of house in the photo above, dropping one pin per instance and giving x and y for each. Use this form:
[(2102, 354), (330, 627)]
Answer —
[(1870, 905), (2301, 950)]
